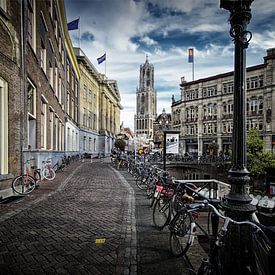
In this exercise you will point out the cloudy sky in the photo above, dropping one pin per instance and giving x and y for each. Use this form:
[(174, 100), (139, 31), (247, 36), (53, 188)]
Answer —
[(128, 30)]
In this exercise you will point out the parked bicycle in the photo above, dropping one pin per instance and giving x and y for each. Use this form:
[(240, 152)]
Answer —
[(47, 170), (24, 184), (263, 246)]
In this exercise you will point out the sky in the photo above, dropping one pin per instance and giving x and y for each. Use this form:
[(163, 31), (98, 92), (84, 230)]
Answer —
[(128, 30)]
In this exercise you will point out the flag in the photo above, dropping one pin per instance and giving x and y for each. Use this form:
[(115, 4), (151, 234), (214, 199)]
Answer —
[(191, 55), (101, 58), (73, 25)]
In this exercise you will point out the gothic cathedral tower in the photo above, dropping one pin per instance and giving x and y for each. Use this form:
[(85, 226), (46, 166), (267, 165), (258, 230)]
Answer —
[(146, 98)]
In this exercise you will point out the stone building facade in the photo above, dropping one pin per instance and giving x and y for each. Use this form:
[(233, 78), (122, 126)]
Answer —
[(99, 108), (39, 89), (109, 116), (204, 114), (146, 102)]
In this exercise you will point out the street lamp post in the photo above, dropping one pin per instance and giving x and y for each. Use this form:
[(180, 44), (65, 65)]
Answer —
[(237, 204)]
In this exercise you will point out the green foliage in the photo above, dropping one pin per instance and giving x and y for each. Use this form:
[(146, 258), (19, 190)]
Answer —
[(120, 144), (258, 160)]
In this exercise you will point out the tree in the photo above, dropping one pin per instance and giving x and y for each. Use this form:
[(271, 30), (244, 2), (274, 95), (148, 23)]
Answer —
[(258, 160), (120, 144)]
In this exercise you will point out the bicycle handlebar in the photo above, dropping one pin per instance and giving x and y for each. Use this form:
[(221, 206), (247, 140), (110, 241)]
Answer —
[(228, 220)]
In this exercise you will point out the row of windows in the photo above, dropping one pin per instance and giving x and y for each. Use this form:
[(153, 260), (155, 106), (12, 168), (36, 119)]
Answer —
[(143, 124), (89, 144), (51, 131), (227, 127), (227, 88), (89, 119), (88, 95), (49, 64), (254, 106)]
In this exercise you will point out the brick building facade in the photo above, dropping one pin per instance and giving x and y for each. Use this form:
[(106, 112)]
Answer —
[(39, 88), (204, 114)]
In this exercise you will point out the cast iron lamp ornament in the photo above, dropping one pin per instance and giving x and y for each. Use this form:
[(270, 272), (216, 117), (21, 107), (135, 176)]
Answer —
[(237, 204)]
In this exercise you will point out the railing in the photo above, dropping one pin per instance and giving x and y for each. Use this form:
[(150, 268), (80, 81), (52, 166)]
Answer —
[(211, 188)]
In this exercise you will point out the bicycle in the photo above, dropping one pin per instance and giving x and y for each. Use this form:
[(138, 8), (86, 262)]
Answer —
[(24, 184), (184, 223), (263, 243), (47, 170)]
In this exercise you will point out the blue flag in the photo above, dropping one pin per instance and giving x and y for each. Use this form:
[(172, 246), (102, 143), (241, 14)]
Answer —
[(101, 58), (73, 25), (190, 55)]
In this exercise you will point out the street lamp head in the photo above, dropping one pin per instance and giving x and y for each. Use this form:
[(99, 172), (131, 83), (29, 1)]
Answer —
[(233, 4)]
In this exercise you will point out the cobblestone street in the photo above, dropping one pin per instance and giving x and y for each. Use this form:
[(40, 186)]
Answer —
[(90, 220)]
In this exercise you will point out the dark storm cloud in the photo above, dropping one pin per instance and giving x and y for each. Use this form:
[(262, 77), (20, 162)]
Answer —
[(87, 36), (177, 38)]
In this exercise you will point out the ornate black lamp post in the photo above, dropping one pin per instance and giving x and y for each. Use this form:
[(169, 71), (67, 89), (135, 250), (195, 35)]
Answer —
[(237, 204)]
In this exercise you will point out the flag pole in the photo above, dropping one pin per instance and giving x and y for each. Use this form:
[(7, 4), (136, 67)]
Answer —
[(105, 63), (193, 67), (79, 33)]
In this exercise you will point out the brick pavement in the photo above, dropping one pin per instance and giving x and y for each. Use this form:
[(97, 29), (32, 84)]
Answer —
[(56, 229), (154, 256), (90, 220)]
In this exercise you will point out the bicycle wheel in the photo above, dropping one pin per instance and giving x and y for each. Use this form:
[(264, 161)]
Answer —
[(141, 183), (37, 175), (180, 234), (23, 185), (48, 173), (161, 212)]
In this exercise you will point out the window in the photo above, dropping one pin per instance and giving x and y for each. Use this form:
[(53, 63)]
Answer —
[(68, 70), (60, 136), (56, 80), (31, 116), (72, 109), (68, 139), (90, 96), (31, 24), (31, 98), (43, 123), (253, 105), (59, 89), (68, 103), (261, 81), (228, 88), (253, 82), (3, 5), (261, 105), (51, 74), (63, 57), (76, 88), (56, 122), (85, 91), (43, 55), (3, 127), (94, 124), (73, 144), (51, 8), (51, 120), (84, 117), (84, 143)]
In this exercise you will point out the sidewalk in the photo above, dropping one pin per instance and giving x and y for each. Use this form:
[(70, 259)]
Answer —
[(82, 223), (90, 220)]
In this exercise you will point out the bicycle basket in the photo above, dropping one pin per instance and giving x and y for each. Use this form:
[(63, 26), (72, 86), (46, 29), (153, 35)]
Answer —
[(264, 251)]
